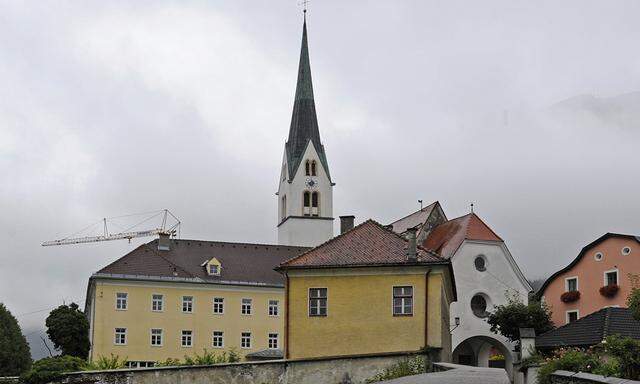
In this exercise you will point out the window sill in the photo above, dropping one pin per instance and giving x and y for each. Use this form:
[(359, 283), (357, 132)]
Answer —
[(402, 314)]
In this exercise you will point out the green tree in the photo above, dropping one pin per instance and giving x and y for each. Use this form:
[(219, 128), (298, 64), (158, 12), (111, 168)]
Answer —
[(68, 329), (15, 356), (507, 319)]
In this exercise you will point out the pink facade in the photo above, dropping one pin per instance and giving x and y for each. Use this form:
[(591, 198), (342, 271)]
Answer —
[(594, 268)]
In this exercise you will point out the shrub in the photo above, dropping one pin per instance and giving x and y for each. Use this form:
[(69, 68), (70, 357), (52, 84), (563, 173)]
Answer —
[(412, 366), (102, 363), (633, 302), (609, 290), (169, 362), (627, 352), (574, 360), (570, 296), (52, 368), (507, 319)]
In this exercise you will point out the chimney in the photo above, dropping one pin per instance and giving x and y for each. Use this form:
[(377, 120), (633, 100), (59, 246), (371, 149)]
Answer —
[(346, 223), (412, 250), (164, 241)]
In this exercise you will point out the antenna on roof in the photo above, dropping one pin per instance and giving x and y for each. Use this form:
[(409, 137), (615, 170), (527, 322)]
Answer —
[(420, 201), (471, 207)]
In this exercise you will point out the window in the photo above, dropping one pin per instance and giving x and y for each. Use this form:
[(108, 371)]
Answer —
[(218, 305), (187, 304), (306, 201), (246, 306), (273, 341), (598, 256), (140, 364), (187, 338), (315, 209), (121, 301), (121, 336), (479, 306), (480, 263), (214, 269), (611, 278), (572, 316), (317, 301), (157, 303), (273, 308), (625, 251), (313, 168), (245, 340), (307, 168), (571, 284), (218, 339), (156, 337), (402, 301)]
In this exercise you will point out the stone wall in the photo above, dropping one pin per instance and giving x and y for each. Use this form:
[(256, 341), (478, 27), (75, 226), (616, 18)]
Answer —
[(566, 377), (352, 370)]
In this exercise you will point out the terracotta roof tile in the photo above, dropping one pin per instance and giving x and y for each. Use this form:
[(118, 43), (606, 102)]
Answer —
[(447, 237), (367, 244)]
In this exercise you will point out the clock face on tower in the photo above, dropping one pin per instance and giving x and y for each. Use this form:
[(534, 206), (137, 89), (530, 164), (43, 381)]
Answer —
[(311, 183)]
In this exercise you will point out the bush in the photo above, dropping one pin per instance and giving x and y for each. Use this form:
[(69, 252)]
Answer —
[(206, 358), (633, 302), (413, 366), (15, 356), (52, 368), (102, 363), (507, 319), (574, 360), (627, 353)]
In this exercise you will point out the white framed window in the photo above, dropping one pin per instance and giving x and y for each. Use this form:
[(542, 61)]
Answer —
[(218, 305), (273, 341), (121, 301), (120, 336), (187, 304), (625, 251), (611, 277), (571, 284), (245, 340), (572, 316), (402, 301), (317, 301), (246, 306), (218, 339), (214, 269), (156, 337), (187, 338), (274, 308), (140, 364), (157, 303)]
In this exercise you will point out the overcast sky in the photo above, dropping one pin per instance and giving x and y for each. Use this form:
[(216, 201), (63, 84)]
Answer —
[(528, 109)]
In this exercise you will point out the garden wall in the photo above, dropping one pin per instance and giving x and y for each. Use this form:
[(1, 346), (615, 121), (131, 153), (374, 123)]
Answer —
[(352, 369)]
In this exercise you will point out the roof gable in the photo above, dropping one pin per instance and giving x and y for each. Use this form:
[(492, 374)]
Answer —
[(446, 238), (368, 244)]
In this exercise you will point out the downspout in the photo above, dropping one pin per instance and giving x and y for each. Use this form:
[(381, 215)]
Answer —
[(286, 315), (426, 308)]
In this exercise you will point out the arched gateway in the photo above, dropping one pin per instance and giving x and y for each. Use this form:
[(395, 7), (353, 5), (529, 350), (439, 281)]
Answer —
[(484, 351)]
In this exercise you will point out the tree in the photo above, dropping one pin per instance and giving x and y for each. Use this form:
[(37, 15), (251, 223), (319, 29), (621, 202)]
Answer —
[(507, 319), (51, 368), (68, 329), (15, 355)]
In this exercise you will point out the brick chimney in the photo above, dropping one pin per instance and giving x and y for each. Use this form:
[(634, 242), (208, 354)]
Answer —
[(412, 249), (164, 241), (346, 223)]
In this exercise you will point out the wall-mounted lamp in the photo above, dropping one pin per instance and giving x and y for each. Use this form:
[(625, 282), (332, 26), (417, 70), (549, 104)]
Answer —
[(457, 322)]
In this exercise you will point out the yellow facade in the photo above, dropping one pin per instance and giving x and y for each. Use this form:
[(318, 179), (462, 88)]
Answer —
[(360, 316), (139, 318)]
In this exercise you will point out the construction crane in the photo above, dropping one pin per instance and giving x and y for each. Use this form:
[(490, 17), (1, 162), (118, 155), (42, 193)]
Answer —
[(169, 224)]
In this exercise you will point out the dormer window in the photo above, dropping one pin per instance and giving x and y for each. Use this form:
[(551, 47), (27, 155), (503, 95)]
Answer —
[(214, 269)]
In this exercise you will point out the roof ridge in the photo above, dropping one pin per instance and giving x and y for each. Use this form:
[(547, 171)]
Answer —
[(413, 213), (236, 243)]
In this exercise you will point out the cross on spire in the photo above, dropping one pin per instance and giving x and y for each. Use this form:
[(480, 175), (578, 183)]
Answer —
[(304, 4)]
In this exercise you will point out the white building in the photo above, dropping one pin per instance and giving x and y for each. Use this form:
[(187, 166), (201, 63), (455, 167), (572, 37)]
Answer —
[(305, 189), (485, 275)]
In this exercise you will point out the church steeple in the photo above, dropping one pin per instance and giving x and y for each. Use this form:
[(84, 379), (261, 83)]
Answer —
[(304, 122)]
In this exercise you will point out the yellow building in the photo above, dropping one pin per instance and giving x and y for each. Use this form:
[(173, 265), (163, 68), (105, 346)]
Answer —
[(171, 298), (367, 291)]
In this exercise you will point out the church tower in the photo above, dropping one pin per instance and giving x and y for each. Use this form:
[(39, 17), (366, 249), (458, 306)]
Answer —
[(305, 192)]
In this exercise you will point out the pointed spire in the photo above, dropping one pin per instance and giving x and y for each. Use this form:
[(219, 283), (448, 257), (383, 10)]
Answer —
[(304, 122)]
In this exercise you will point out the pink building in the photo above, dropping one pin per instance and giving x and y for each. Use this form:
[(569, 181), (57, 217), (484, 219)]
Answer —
[(601, 276)]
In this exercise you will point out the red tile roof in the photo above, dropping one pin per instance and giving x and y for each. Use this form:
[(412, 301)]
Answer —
[(447, 237), (368, 244)]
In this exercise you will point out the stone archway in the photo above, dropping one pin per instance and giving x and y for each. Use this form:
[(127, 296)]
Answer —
[(477, 351)]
